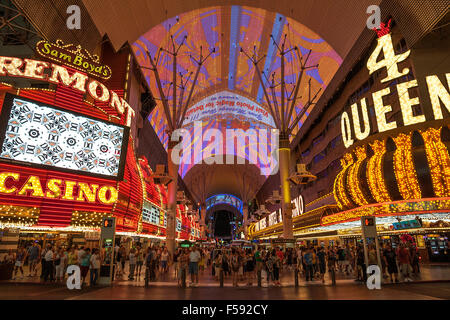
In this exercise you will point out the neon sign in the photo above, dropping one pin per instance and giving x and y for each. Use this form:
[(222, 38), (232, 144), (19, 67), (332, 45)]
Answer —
[(56, 189), (73, 56), (436, 89), (35, 69)]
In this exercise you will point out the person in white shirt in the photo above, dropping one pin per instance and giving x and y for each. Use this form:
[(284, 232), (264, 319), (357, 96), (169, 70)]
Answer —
[(80, 254), (164, 260), (48, 259), (194, 258), (95, 267), (60, 264), (132, 259)]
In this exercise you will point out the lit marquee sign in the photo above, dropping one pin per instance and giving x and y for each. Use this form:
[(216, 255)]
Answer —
[(438, 94), (46, 136), (150, 213), (60, 75), (407, 224), (225, 102), (74, 56), (277, 216), (57, 189)]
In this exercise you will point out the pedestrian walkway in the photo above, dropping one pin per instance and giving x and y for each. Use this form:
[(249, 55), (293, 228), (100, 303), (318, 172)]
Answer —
[(429, 273)]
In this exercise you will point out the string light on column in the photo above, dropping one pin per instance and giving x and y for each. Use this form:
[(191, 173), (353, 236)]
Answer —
[(374, 173), (404, 170)]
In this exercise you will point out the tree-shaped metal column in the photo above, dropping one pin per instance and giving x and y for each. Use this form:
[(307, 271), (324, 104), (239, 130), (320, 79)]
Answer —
[(246, 194), (200, 192), (281, 113), (174, 121)]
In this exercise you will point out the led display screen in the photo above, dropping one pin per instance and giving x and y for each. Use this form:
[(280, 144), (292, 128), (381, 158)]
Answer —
[(150, 213), (46, 136), (226, 199)]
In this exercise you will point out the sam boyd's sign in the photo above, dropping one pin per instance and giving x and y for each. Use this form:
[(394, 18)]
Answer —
[(73, 56)]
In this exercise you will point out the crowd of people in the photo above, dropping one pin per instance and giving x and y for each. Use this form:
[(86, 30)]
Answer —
[(240, 265), (54, 261)]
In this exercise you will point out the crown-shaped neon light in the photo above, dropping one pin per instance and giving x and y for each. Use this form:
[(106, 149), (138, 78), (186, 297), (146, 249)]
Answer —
[(384, 29), (77, 49)]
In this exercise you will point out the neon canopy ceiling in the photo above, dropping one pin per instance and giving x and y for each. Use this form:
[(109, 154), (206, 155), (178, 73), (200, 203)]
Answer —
[(227, 29)]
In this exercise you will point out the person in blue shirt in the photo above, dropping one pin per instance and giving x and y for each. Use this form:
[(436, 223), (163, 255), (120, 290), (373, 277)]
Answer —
[(85, 263)]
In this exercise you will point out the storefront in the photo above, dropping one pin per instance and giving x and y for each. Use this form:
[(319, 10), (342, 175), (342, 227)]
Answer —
[(68, 159)]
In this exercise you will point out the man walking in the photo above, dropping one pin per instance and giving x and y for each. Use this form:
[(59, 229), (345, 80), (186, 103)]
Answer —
[(48, 258), (33, 257), (194, 258), (404, 260)]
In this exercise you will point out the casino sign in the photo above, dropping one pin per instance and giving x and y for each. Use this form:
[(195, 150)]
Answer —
[(404, 166)]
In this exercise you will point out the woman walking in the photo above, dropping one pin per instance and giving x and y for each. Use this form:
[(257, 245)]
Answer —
[(139, 262), (60, 264), (20, 258), (235, 266)]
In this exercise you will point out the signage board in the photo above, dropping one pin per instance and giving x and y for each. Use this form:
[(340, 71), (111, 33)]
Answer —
[(228, 103), (46, 136), (407, 224), (384, 58), (282, 240), (73, 56)]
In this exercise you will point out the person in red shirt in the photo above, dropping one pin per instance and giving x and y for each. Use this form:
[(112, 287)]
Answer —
[(404, 261), (280, 255)]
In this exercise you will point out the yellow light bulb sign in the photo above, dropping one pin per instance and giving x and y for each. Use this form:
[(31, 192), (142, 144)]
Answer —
[(438, 94), (390, 60)]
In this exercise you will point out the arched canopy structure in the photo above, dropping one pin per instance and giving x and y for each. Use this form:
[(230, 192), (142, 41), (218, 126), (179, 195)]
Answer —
[(228, 29)]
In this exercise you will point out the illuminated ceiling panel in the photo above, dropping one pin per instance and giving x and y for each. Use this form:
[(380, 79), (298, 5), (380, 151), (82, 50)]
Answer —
[(227, 29)]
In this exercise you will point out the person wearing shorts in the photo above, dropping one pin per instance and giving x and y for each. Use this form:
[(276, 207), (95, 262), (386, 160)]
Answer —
[(390, 259), (194, 258), (20, 258), (33, 255), (164, 260)]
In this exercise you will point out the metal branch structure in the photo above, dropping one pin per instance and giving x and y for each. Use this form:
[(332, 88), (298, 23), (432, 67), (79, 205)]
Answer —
[(201, 193), (174, 117), (245, 195), (281, 114)]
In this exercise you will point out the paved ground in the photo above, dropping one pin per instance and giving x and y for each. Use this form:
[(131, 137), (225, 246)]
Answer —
[(432, 283), (407, 291), (428, 273)]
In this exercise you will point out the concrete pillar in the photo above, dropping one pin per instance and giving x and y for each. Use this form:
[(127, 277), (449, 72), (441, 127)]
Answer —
[(172, 199), (285, 154)]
